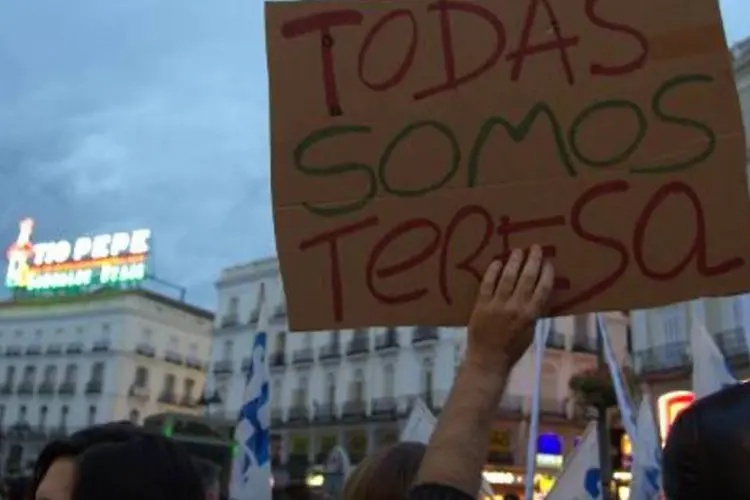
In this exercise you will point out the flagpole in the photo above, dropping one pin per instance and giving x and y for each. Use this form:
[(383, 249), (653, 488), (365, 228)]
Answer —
[(601, 425)]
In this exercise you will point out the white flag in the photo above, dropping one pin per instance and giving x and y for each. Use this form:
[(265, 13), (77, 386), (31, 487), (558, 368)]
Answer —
[(646, 456), (419, 428), (251, 466), (542, 330), (710, 371), (581, 477)]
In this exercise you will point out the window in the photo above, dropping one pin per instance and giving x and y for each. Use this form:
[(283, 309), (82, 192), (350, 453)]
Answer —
[(300, 397), (228, 346), (234, 305), (673, 318), (71, 374), (64, 416), (188, 388), (388, 381), (10, 375), (29, 374), (38, 335), (2, 415), (276, 394), (22, 411), (92, 415), (135, 417), (97, 371), (331, 389), (141, 377), (281, 342), (427, 375), (169, 382), (43, 416), (50, 374), (737, 311), (358, 386)]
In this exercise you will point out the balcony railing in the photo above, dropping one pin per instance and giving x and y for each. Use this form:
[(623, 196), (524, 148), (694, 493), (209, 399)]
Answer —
[(354, 408), (303, 356), (139, 391), (733, 346), (387, 341), (584, 343), (46, 388), (94, 387), (298, 413), (665, 358), (279, 314), (26, 388), (223, 366), (101, 346), (13, 350), (325, 412), (145, 349), (74, 348), (360, 344), (167, 397), (330, 352), (277, 360), (6, 388), (556, 340), (54, 349), (229, 321), (277, 416), (174, 357), (193, 362), (34, 350), (67, 388), (384, 406), (424, 335)]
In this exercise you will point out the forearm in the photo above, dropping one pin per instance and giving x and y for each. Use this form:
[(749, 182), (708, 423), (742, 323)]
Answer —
[(459, 444)]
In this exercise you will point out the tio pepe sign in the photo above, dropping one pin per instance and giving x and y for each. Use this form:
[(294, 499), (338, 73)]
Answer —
[(414, 141)]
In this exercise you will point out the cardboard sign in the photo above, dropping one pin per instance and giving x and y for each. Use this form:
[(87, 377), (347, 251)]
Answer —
[(414, 141)]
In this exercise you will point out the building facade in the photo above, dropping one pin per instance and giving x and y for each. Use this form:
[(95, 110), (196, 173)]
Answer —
[(356, 388), (69, 362), (661, 336)]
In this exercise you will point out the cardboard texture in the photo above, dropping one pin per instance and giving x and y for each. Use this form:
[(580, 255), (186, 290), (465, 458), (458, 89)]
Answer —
[(414, 141)]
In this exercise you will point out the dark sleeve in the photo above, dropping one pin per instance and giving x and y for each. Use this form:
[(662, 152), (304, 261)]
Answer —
[(438, 492)]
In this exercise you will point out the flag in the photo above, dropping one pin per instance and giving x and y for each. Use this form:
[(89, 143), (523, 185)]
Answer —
[(621, 392), (541, 334), (251, 465), (580, 478), (419, 427), (646, 466), (710, 371)]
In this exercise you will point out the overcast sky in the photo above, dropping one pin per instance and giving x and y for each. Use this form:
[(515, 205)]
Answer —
[(118, 114)]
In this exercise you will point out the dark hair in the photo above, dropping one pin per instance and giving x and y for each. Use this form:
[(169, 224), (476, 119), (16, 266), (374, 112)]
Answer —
[(387, 474), (78, 442), (208, 472), (17, 488), (151, 467)]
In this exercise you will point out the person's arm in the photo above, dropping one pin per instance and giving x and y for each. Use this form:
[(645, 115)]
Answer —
[(500, 331)]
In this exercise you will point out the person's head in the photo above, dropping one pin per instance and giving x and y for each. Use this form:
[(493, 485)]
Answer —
[(209, 474), (55, 468), (388, 473), (151, 467), (707, 454)]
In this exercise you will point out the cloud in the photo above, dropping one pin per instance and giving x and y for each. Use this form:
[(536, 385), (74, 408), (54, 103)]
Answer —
[(116, 115)]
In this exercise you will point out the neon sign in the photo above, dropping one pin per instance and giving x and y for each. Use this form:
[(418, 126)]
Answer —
[(670, 405), (103, 259)]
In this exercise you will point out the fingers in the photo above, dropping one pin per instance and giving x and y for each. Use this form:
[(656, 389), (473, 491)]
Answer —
[(510, 276), (529, 276), (487, 288), (543, 290)]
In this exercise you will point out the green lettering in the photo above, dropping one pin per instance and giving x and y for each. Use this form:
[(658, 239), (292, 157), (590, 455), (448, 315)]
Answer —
[(656, 105), (518, 133), (403, 134), (317, 136), (620, 156)]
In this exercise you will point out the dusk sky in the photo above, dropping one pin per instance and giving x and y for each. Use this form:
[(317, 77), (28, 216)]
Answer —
[(116, 115)]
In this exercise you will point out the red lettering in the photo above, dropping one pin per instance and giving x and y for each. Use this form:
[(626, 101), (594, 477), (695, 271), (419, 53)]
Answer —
[(394, 269), (323, 22), (588, 196), (638, 62), (525, 48), (467, 264), (699, 244), (332, 238), (446, 34), (408, 58), (506, 228)]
